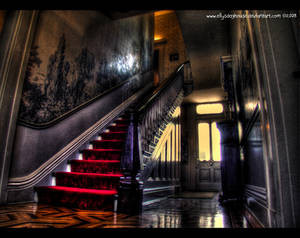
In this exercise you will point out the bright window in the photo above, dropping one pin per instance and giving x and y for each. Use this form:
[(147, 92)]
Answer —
[(215, 135), (203, 135), (209, 108), (209, 146)]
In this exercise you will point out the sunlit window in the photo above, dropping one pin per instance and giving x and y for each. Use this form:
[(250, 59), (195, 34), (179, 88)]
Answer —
[(205, 130), (215, 135), (209, 108), (203, 135)]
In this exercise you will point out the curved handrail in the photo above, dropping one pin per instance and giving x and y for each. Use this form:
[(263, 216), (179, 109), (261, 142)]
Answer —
[(142, 106), (146, 117)]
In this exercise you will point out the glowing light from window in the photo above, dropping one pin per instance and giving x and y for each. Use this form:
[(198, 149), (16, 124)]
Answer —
[(240, 130), (203, 135), (209, 108), (204, 142), (176, 113), (251, 106), (218, 221), (216, 140)]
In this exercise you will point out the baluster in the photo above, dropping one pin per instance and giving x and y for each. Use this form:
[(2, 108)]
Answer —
[(131, 188)]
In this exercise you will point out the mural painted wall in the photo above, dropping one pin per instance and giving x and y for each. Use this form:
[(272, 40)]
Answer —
[(78, 55)]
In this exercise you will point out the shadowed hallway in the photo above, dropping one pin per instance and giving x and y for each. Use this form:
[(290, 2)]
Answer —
[(154, 119)]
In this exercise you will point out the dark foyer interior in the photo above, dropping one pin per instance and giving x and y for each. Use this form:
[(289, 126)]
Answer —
[(149, 119)]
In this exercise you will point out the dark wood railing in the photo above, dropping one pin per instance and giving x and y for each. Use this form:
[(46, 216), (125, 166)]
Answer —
[(148, 119)]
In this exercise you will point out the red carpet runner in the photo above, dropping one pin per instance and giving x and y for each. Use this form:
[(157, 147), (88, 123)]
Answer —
[(94, 180)]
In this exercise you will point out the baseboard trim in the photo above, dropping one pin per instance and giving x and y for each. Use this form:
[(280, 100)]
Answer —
[(257, 193), (158, 189), (154, 201), (252, 219)]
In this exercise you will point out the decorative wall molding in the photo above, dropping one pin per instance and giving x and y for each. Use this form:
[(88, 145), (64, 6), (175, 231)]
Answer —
[(259, 194), (16, 38), (24, 182)]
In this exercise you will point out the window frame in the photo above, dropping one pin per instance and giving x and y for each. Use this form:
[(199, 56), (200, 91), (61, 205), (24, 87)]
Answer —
[(209, 118), (210, 114), (210, 122)]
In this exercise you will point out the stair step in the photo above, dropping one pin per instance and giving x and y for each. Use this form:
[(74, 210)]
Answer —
[(114, 135), (77, 197), (123, 121), (102, 192), (118, 127), (88, 180), (94, 180), (101, 154), (95, 166), (108, 144)]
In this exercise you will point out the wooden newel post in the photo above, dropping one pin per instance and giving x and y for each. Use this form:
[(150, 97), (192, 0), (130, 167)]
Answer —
[(131, 188), (230, 163)]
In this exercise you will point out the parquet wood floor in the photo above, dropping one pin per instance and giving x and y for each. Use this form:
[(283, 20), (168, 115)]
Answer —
[(170, 213)]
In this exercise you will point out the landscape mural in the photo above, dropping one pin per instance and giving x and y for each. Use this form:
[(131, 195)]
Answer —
[(61, 76)]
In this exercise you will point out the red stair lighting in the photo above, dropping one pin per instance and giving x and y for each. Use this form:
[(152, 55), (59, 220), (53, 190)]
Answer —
[(93, 180)]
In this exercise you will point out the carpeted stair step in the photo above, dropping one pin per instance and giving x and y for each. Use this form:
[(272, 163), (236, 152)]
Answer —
[(119, 135), (95, 166), (77, 197), (123, 120), (108, 144), (101, 154), (88, 180), (118, 127), (95, 177)]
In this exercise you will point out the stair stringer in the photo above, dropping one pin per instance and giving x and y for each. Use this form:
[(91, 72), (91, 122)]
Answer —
[(24, 186)]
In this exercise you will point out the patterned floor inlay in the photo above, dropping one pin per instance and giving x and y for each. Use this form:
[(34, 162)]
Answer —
[(170, 213)]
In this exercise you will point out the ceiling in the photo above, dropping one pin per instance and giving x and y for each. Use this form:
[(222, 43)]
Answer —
[(115, 15), (206, 95), (206, 40)]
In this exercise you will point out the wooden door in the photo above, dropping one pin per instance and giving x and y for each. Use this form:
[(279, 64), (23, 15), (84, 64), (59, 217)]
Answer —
[(208, 176), (208, 171)]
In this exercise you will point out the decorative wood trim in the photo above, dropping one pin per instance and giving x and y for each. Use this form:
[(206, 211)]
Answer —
[(158, 189), (250, 125), (21, 183), (259, 194), (153, 201), (163, 138), (252, 219), (16, 38), (150, 157)]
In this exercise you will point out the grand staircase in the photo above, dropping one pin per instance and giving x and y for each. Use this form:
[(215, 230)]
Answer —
[(94, 178), (115, 165)]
